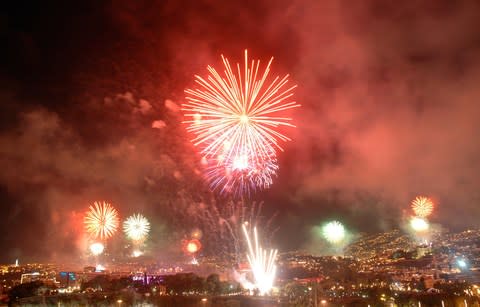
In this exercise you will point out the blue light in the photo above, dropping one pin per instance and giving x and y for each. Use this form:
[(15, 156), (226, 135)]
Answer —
[(462, 263)]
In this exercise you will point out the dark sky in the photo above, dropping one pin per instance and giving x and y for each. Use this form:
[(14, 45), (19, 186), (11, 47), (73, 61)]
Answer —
[(390, 109)]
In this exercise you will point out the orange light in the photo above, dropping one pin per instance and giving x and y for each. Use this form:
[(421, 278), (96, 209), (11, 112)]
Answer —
[(191, 246)]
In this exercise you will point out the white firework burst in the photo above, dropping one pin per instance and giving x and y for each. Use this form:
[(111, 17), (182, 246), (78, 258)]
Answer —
[(136, 227)]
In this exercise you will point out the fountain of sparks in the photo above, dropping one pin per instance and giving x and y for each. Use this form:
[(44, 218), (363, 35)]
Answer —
[(262, 263)]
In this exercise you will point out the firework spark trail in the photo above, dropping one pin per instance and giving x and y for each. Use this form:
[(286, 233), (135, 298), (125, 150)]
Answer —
[(101, 221), (136, 227), (235, 117), (422, 206), (262, 263), (241, 174), (221, 225)]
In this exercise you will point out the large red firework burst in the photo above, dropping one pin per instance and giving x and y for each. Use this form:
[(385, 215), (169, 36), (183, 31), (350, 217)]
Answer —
[(235, 118), (101, 221)]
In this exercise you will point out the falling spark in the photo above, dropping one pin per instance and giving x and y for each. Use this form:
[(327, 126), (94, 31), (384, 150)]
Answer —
[(101, 221), (262, 263)]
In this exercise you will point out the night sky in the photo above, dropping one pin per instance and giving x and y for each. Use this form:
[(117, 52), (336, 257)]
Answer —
[(90, 93)]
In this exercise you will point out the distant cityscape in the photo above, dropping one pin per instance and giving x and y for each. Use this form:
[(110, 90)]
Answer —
[(391, 268)]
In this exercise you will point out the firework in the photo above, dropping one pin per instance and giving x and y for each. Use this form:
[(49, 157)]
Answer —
[(235, 119), (137, 253), (97, 248), (221, 223), (136, 227), (196, 233), (101, 221), (422, 206), (333, 232), (262, 263), (99, 268), (242, 174), (418, 224), (191, 246)]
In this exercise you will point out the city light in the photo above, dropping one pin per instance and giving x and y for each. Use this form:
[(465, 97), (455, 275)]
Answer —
[(99, 268)]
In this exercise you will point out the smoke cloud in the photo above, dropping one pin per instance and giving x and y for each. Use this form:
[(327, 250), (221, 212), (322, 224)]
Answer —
[(389, 110)]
